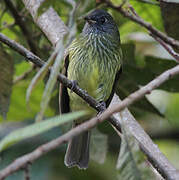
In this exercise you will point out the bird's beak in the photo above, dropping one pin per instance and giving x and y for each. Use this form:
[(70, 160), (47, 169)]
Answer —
[(90, 21)]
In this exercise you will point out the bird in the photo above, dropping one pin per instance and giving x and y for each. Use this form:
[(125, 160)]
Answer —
[(94, 62)]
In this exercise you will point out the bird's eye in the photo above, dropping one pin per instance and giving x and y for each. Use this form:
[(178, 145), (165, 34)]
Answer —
[(103, 20)]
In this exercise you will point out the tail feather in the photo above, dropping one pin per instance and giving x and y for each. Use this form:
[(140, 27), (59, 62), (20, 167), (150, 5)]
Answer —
[(77, 153)]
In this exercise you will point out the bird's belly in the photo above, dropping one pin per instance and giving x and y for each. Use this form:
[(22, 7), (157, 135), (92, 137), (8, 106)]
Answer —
[(93, 79)]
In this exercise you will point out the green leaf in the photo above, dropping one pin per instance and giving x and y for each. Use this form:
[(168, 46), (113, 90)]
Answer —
[(6, 81), (167, 103), (131, 162), (59, 52), (37, 128), (40, 75)]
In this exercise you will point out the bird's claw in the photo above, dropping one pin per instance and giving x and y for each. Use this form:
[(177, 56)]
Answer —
[(74, 84), (102, 106)]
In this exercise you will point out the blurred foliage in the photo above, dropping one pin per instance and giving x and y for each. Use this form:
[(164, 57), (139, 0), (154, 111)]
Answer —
[(171, 153), (37, 128), (171, 22), (98, 139), (167, 103), (144, 59), (6, 77), (132, 164), (150, 13)]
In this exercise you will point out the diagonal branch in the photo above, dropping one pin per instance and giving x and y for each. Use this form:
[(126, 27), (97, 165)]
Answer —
[(167, 47), (24, 75), (154, 155), (159, 40), (174, 43)]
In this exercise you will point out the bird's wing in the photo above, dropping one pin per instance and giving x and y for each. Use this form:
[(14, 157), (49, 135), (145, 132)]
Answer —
[(114, 87), (63, 94)]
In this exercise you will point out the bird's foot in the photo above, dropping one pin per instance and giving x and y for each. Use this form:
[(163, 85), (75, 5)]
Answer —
[(74, 84), (102, 106)]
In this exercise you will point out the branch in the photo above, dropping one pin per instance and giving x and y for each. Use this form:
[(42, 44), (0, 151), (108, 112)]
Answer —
[(174, 43), (147, 89), (168, 48), (38, 62), (146, 144), (24, 75), (160, 41)]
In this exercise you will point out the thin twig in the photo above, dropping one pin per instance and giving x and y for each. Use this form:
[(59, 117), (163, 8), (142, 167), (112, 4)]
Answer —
[(164, 170), (26, 172), (24, 75), (167, 47), (174, 43), (133, 11)]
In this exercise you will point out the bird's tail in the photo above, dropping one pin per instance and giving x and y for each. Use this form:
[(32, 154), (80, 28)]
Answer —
[(77, 153)]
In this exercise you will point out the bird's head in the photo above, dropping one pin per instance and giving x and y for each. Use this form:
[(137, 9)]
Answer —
[(100, 22)]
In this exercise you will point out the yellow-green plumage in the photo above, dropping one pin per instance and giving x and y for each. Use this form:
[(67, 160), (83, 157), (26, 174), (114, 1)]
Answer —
[(94, 61)]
